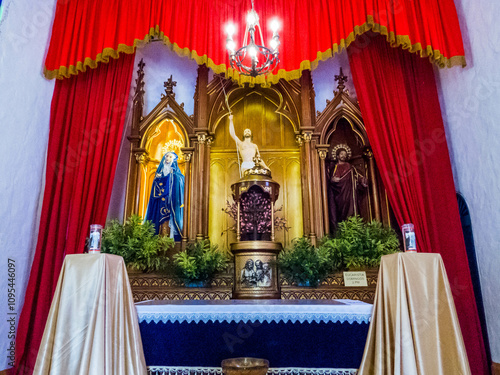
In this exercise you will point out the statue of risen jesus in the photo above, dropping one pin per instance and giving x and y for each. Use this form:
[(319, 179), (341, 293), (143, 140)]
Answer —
[(248, 150)]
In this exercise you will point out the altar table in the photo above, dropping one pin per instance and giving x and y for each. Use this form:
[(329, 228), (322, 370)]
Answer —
[(323, 335), (92, 325), (414, 329)]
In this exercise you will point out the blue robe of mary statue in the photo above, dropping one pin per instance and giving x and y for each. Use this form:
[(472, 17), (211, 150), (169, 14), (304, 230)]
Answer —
[(166, 201)]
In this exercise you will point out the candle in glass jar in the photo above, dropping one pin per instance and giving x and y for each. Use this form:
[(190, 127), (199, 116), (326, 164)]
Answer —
[(409, 240), (95, 239)]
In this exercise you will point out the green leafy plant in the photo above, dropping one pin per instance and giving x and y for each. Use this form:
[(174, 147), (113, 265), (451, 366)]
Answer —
[(137, 243), (305, 264), (199, 262), (360, 245)]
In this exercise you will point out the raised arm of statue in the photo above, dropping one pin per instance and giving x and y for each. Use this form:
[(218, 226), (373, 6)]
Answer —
[(232, 132)]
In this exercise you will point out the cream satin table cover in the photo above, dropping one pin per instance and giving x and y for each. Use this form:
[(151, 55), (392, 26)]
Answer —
[(414, 327), (92, 326)]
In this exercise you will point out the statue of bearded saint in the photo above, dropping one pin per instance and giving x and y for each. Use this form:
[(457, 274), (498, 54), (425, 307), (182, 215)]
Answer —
[(345, 187)]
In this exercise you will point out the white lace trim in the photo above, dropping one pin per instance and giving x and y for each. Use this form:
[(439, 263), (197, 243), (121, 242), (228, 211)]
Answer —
[(254, 317), (234, 311), (167, 370)]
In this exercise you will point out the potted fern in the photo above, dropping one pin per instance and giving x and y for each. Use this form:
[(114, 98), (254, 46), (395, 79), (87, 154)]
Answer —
[(305, 264), (198, 264), (141, 249), (360, 245)]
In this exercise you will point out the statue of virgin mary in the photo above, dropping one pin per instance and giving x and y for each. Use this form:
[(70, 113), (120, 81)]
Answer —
[(166, 201)]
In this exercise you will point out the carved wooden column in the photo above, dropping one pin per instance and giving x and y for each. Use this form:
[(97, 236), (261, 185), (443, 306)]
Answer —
[(303, 180), (188, 152), (206, 187), (316, 185), (323, 152), (373, 184), (308, 162), (142, 159), (198, 207), (193, 191), (201, 131), (307, 127), (135, 140)]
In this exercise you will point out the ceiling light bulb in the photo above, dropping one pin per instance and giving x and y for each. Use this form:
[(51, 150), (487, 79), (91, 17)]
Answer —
[(230, 29), (231, 45), (252, 51), (273, 43), (275, 25), (252, 18)]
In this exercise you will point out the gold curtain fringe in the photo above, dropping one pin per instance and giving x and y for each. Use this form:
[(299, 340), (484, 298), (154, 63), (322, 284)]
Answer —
[(395, 41)]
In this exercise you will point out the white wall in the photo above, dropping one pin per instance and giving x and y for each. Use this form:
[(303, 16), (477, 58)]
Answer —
[(323, 78), (470, 101), (25, 98)]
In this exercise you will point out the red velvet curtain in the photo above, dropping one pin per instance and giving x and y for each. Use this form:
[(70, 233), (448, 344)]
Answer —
[(399, 101), (86, 32), (86, 126)]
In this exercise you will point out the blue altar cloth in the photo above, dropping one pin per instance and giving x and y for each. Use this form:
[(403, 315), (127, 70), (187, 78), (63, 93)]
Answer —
[(203, 333)]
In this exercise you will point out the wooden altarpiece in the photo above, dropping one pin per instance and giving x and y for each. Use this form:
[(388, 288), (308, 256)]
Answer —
[(300, 139), (296, 151)]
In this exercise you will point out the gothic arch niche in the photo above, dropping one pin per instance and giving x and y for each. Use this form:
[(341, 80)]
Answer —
[(341, 122), (166, 128), (162, 136), (342, 130), (263, 111)]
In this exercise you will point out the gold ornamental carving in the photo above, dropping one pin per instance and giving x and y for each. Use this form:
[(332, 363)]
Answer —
[(209, 140), (202, 138), (322, 153), (299, 139), (368, 153), (307, 136), (142, 158)]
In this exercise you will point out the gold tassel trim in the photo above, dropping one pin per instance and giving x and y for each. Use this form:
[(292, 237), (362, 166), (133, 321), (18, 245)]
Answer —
[(403, 41)]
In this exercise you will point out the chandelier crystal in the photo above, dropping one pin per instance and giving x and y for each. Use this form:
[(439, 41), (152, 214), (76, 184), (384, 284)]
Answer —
[(253, 59)]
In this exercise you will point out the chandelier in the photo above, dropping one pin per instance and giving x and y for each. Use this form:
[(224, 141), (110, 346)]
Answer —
[(253, 59)]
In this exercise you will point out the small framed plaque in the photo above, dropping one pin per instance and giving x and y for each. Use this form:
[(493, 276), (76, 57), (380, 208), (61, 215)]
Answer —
[(355, 278)]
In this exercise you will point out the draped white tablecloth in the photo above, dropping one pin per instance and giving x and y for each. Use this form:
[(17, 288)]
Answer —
[(415, 329), (334, 311), (92, 326)]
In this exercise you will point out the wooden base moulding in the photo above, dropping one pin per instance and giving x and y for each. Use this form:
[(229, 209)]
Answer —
[(149, 286)]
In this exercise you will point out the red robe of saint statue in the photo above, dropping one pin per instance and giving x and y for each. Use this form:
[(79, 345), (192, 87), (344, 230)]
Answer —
[(344, 188)]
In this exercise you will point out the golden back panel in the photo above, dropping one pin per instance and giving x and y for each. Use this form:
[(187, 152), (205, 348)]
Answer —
[(274, 135), (162, 137)]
